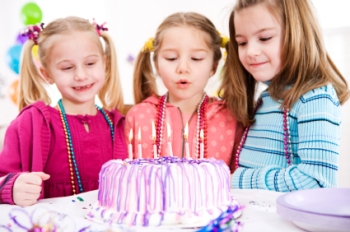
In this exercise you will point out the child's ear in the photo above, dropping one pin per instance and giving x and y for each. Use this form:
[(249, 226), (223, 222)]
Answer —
[(46, 75), (215, 66)]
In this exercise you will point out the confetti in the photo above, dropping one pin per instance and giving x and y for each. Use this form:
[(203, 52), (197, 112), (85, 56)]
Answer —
[(80, 199), (225, 222)]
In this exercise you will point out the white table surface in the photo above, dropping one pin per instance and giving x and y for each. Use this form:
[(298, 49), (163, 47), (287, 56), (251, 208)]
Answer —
[(259, 213)]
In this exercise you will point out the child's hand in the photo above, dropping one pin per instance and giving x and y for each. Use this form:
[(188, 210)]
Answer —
[(27, 188)]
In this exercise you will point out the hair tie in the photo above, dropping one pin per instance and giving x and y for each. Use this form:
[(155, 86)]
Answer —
[(224, 41), (100, 28), (148, 46), (33, 32)]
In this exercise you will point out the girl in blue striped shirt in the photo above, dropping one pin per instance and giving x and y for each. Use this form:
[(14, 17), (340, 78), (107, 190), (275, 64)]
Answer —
[(292, 134)]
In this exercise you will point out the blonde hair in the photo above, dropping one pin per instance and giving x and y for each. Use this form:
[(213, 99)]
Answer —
[(31, 82), (144, 79), (305, 64)]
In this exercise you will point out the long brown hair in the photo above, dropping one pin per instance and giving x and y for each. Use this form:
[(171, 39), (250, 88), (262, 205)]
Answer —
[(305, 64), (31, 82), (144, 78)]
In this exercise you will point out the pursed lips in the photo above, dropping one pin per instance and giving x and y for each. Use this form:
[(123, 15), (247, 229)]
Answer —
[(183, 84)]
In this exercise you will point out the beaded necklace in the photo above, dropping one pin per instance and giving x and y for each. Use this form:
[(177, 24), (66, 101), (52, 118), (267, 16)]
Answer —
[(287, 145), (201, 123), (70, 149)]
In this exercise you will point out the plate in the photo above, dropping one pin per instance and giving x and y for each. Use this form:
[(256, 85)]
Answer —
[(324, 209)]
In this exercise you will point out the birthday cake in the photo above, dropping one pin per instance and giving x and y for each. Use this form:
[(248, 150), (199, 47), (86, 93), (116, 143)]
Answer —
[(164, 191)]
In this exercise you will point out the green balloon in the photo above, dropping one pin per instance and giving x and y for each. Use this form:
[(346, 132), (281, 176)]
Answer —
[(31, 14)]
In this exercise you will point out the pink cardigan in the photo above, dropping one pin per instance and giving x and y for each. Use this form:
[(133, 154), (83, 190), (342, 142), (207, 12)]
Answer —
[(223, 131), (35, 141)]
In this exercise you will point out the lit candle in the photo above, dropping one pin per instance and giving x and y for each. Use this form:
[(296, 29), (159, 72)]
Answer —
[(139, 145), (170, 148), (154, 140), (201, 144), (187, 147), (130, 145)]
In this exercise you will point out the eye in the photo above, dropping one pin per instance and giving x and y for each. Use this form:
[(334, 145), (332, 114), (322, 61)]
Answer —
[(67, 68), (241, 43), (196, 59), (265, 39), (171, 58), (90, 63)]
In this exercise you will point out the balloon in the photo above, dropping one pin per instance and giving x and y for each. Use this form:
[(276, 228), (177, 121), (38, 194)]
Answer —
[(13, 91), (13, 57), (21, 39), (31, 14)]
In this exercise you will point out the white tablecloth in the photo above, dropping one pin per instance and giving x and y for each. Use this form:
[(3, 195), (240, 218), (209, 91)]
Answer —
[(259, 213)]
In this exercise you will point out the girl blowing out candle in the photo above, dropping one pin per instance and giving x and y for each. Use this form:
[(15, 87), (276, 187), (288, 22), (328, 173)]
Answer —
[(186, 51)]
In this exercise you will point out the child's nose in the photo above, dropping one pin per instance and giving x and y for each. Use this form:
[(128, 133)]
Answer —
[(80, 74), (253, 49), (183, 67)]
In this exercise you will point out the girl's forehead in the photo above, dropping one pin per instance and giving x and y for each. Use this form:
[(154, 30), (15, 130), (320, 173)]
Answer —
[(73, 46), (254, 18), (181, 35)]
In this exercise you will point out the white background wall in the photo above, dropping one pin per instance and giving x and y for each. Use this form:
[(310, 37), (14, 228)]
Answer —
[(132, 22)]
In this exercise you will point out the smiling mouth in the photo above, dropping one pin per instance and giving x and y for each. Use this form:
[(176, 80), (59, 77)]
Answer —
[(257, 64), (82, 88)]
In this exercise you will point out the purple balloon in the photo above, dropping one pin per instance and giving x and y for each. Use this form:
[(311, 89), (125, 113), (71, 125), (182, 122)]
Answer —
[(21, 39)]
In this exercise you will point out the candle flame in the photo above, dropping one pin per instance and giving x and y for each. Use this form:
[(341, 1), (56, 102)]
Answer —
[(169, 130), (186, 131), (153, 131), (201, 134), (139, 135), (130, 136)]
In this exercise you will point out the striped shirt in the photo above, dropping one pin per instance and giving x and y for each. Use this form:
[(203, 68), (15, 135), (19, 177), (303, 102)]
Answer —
[(314, 122)]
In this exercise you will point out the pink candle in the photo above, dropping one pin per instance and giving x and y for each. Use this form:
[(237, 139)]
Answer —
[(201, 145), (154, 141), (130, 145), (170, 148), (187, 146), (139, 146)]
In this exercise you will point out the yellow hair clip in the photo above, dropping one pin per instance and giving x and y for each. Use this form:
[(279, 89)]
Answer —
[(148, 46), (224, 41)]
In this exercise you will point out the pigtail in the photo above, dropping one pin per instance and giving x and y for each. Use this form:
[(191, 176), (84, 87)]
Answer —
[(144, 79), (237, 87), (111, 94), (31, 88)]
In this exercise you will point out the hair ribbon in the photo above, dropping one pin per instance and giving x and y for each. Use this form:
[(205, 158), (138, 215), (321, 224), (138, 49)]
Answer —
[(33, 32), (100, 28), (148, 46)]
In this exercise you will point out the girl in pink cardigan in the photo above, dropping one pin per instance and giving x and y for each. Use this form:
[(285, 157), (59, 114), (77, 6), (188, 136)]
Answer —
[(186, 51), (58, 151)]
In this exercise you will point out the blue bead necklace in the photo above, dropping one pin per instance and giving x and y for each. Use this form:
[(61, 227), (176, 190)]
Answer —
[(71, 156)]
